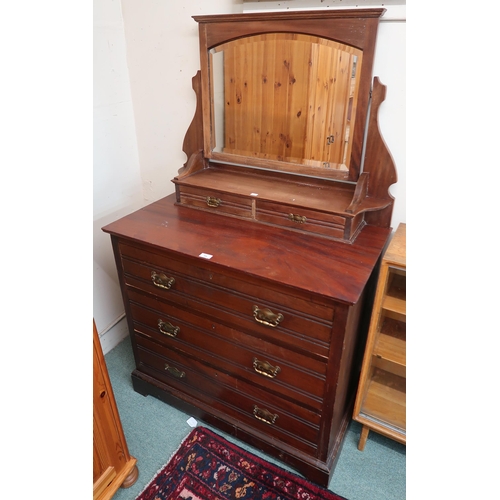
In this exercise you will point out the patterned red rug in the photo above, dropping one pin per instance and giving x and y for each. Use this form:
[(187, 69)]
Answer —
[(208, 467)]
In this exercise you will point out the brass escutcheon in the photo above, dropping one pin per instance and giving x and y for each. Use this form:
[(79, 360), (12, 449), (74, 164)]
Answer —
[(167, 328), (162, 280), (300, 219), (265, 368), (213, 202), (267, 317), (174, 371), (264, 415)]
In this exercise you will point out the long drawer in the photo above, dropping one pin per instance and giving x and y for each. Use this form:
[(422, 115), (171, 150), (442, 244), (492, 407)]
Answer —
[(274, 368), (293, 322), (285, 420)]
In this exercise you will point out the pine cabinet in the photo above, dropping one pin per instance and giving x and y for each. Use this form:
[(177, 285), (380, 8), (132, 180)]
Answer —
[(381, 399), (112, 463)]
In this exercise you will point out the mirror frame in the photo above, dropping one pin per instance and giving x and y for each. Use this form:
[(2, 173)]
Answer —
[(354, 27)]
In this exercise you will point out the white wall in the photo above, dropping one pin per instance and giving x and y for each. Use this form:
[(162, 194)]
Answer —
[(116, 175), (163, 56), (390, 67), (146, 54)]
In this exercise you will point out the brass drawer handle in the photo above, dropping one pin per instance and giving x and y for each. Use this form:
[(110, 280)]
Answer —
[(213, 202), (174, 371), (264, 415), (265, 368), (162, 280), (267, 317), (167, 328), (297, 218)]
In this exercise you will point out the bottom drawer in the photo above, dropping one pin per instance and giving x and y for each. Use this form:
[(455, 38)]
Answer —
[(283, 419)]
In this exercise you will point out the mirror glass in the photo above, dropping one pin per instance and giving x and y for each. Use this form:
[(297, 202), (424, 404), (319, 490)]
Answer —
[(285, 97)]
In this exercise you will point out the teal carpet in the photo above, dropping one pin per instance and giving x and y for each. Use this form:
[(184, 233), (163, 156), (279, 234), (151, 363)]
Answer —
[(155, 430)]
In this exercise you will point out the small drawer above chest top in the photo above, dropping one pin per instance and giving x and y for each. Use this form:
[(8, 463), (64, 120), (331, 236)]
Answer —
[(311, 208), (220, 202)]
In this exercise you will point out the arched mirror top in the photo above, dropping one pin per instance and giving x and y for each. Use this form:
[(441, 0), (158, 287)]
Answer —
[(288, 91), (284, 97)]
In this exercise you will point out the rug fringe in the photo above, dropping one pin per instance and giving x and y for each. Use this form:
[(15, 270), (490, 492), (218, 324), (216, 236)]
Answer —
[(165, 464)]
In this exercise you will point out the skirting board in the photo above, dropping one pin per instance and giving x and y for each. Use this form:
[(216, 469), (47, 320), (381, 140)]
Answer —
[(114, 335)]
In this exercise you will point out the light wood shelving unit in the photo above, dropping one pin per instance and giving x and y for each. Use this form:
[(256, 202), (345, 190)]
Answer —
[(381, 399)]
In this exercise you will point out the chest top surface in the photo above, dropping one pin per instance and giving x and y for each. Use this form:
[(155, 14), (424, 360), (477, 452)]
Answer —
[(311, 264)]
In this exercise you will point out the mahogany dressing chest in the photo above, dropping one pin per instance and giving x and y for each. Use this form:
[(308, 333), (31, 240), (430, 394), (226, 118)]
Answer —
[(248, 291)]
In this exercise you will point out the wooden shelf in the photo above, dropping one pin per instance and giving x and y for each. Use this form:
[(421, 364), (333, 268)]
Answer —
[(391, 351), (381, 399), (385, 399), (397, 283), (390, 347), (397, 306), (395, 298), (393, 328)]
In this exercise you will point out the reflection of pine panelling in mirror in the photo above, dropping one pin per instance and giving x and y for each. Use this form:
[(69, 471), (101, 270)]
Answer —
[(303, 87)]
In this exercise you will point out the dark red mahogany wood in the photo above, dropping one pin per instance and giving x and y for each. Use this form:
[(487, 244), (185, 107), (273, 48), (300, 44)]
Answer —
[(343, 208), (248, 292), (326, 268), (254, 262)]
